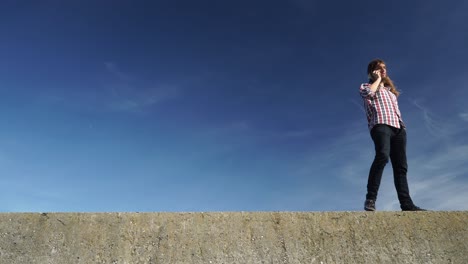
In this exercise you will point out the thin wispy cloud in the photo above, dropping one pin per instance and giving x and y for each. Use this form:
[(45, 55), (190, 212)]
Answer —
[(463, 116), (120, 92), (48, 98), (438, 178), (139, 100), (298, 133), (127, 95), (437, 174), (358, 104), (247, 127), (115, 71), (433, 125)]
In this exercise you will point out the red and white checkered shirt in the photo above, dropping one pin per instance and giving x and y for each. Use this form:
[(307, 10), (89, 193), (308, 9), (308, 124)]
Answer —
[(381, 106)]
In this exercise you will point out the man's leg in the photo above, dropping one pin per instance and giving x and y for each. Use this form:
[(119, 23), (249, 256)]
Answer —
[(381, 136), (400, 166)]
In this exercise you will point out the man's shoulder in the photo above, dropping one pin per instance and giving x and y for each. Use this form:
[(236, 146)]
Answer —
[(364, 85)]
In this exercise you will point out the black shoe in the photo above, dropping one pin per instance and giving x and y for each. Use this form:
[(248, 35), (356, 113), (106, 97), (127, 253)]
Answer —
[(369, 205), (411, 207)]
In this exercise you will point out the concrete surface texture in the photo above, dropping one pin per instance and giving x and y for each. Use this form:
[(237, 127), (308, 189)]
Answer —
[(235, 237)]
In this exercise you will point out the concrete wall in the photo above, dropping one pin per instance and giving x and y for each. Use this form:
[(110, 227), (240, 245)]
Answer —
[(257, 237)]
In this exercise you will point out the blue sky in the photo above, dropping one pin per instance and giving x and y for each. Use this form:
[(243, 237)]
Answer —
[(225, 105)]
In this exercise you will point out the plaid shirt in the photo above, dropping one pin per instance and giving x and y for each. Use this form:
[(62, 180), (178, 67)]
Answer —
[(381, 106)]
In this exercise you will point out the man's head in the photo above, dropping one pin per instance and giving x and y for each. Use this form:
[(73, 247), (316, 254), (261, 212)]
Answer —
[(377, 65)]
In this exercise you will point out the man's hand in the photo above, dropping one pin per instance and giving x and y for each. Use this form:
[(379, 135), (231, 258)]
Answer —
[(378, 78), (377, 75)]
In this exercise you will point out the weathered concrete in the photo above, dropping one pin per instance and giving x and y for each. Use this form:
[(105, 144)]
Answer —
[(269, 237)]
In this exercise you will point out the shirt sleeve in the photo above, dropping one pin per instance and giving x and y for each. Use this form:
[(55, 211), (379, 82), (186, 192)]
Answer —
[(365, 91)]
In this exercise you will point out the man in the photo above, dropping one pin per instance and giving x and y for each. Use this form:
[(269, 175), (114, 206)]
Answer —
[(388, 133)]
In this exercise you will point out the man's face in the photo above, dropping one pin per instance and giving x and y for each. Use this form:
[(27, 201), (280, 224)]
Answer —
[(382, 69)]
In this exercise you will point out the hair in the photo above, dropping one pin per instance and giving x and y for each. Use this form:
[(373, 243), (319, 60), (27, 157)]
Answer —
[(386, 80)]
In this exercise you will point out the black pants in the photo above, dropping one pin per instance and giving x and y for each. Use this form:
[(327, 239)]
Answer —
[(390, 142)]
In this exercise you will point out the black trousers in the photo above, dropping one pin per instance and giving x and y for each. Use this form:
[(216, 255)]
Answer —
[(390, 143)]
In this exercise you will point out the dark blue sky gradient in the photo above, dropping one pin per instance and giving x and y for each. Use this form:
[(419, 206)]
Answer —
[(223, 105)]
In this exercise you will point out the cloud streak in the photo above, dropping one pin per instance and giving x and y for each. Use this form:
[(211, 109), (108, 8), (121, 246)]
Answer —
[(434, 127), (127, 96), (139, 100), (437, 178), (114, 70), (463, 116)]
